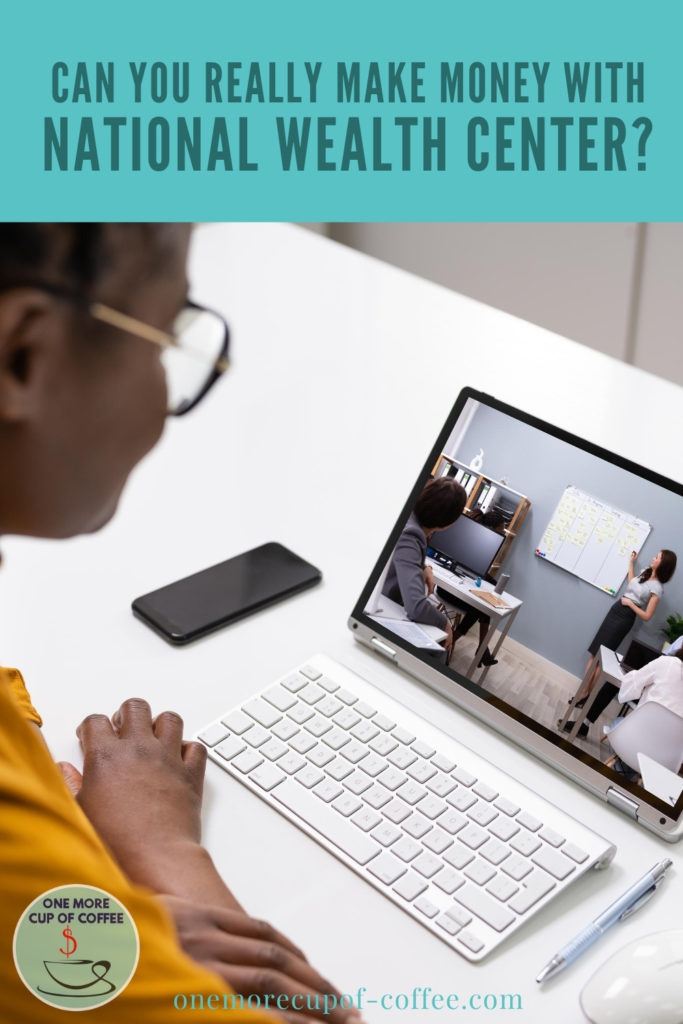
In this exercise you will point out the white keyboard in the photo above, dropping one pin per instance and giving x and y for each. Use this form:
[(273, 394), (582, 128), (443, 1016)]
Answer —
[(456, 843)]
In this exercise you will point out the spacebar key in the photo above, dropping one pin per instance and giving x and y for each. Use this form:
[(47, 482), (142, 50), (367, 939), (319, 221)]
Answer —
[(329, 824)]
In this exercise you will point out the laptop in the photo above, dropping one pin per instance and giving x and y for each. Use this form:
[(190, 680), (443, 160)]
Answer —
[(638, 655), (464, 849)]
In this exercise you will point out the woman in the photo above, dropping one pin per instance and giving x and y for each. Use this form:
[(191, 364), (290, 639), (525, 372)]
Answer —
[(493, 519), (409, 581), (640, 601), (86, 313)]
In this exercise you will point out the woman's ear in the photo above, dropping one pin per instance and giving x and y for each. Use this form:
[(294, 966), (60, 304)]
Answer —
[(24, 338)]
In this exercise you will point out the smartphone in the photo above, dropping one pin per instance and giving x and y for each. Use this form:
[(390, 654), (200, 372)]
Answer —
[(208, 600)]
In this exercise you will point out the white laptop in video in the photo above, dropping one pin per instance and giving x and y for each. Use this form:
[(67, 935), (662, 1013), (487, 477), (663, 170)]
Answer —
[(514, 572)]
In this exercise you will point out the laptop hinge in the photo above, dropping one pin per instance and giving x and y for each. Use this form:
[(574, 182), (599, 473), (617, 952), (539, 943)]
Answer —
[(383, 648), (622, 802)]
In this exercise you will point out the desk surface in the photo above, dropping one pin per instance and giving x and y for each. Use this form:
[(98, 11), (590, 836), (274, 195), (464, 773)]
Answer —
[(330, 347)]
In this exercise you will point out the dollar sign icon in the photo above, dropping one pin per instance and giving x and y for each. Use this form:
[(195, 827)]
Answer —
[(70, 949)]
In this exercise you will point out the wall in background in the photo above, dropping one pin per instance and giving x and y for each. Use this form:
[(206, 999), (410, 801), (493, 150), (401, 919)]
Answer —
[(614, 287), (561, 613)]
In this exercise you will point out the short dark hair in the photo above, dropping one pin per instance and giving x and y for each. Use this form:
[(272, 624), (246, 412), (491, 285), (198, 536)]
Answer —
[(74, 252), (440, 504)]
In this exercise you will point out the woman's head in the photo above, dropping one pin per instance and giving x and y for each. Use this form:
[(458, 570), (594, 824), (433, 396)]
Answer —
[(440, 503), (80, 402), (662, 566)]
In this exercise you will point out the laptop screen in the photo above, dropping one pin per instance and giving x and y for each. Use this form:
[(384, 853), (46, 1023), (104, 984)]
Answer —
[(573, 551)]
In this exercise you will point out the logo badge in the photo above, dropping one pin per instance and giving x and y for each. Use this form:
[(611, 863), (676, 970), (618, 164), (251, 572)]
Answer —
[(76, 947)]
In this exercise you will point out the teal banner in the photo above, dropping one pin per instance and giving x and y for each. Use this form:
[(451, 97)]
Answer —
[(309, 111)]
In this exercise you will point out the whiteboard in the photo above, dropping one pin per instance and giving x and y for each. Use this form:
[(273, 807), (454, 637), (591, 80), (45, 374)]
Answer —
[(592, 540)]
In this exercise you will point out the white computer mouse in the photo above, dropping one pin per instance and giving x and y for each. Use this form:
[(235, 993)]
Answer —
[(641, 984)]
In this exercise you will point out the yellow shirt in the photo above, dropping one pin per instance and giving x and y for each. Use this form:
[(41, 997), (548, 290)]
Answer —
[(46, 841)]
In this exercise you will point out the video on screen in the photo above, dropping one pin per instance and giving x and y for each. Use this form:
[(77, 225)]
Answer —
[(547, 576)]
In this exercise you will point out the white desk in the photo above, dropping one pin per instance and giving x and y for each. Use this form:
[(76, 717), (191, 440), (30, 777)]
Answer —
[(609, 671), (330, 347)]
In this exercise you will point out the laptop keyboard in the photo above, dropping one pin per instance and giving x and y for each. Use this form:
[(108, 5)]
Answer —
[(403, 804)]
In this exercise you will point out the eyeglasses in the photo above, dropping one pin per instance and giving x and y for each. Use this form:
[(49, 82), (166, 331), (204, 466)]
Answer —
[(194, 353)]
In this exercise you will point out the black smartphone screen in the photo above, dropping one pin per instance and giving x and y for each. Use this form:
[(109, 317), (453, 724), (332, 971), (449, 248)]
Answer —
[(198, 604)]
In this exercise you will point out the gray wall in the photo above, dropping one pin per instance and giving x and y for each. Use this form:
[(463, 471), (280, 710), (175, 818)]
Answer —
[(561, 612)]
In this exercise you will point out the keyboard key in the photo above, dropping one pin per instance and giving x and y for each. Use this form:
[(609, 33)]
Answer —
[(397, 811), (230, 748), (273, 749), (317, 726), (309, 776), (437, 840), (506, 806), (383, 744), (364, 709), (528, 821), (465, 778), (387, 868), (502, 888), (311, 694), (472, 836), (407, 849), (443, 763), (293, 683), (327, 790), (385, 833), (495, 852), (458, 856), (442, 785), (300, 714), (533, 889), (525, 843), (284, 730), (503, 828), (267, 776), (247, 761), (426, 907), (411, 792), (329, 706), (320, 756), (417, 826), (480, 905), (471, 941), (461, 799), (279, 698), (377, 797), (265, 714), (366, 818), (423, 749), (364, 731), (382, 722), (358, 782), (373, 765), (479, 872), (339, 769), (516, 867), (427, 864), (354, 751), (575, 852), (402, 757), (256, 736), (551, 837), (310, 672), (346, 718), (484, 791), (392, 778), (459, 915), (346, 697), (302, 743), (346, 804), (421, 771), (336, 738), (324, 820), (403, 736), (448, 924), (448, 880), (452, 822), (554, 862), (291, 763), (410, 886), (327, 684), (213, 734), (431, 807), (237, 722), (483, 814)]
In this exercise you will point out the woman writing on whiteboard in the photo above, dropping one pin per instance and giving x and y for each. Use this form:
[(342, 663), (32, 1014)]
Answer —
[(640, 600)]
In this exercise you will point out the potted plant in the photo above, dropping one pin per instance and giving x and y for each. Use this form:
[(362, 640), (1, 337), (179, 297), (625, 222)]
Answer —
[(673, 628)]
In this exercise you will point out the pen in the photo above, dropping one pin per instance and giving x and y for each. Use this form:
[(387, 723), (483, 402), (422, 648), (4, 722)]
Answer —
[(633, 899)]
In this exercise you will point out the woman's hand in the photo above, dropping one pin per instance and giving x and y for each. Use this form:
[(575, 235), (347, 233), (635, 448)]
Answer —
[(255, 959), (449, 641), (627, 603), (633, 557)]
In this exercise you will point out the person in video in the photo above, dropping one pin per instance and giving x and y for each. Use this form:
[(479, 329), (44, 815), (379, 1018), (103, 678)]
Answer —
[(409, 581), (643, 594), (493, 519), (93, 357)]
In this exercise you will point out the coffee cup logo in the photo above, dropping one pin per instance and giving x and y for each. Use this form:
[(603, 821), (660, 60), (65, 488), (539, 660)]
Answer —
[(67, 920)]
